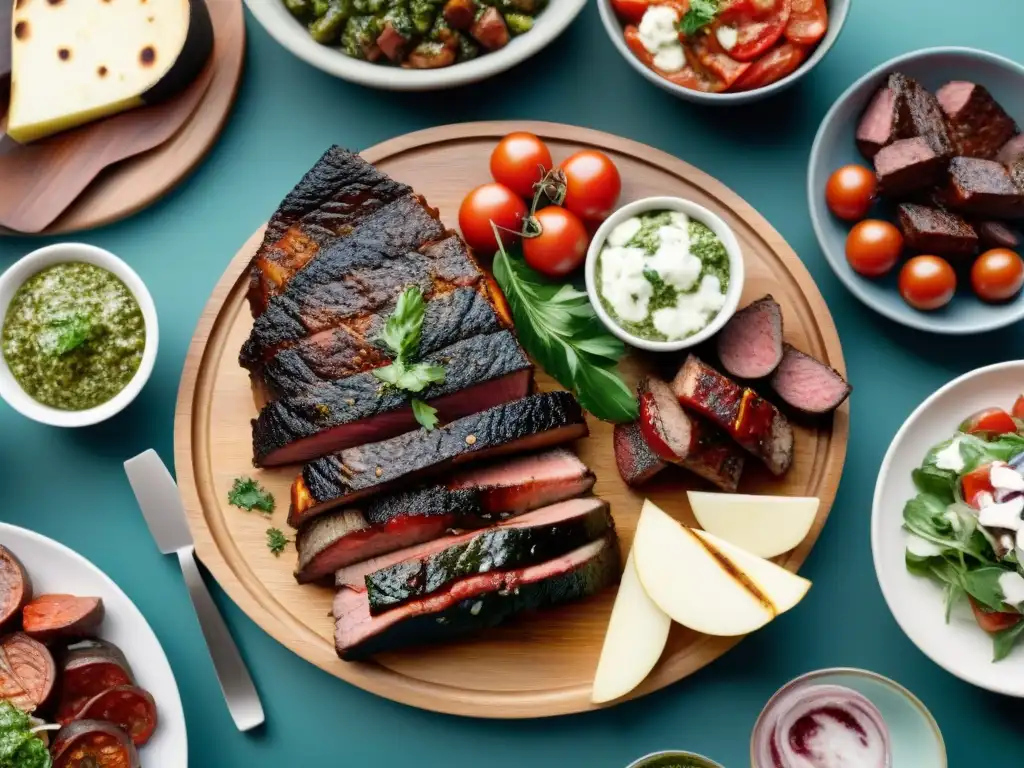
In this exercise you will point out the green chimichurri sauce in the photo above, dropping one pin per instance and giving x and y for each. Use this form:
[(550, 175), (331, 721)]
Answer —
[(73, 336)]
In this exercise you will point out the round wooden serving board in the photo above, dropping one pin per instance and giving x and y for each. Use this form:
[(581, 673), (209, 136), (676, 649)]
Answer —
[(541, 664)]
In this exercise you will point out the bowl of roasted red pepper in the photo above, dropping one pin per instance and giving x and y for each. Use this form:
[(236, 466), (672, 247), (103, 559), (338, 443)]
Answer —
[(723, 51)]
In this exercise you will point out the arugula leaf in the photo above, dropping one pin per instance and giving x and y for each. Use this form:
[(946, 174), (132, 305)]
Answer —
[(276, 541), (1003, 641), (426, 415), (951, 526), (560, 330), (247, 494), (19, 746), (700, 15), (66, 334)]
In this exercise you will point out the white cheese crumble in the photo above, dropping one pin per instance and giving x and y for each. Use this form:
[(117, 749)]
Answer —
[(727, 37), (1005, 515), (1005, 478), (624, 232), (950, 458), (659, 36), (922, 547), (1012, 585), (691, 311), (623, 283)]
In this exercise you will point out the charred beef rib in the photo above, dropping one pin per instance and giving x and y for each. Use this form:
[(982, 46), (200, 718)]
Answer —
[(470, 499), (535, 422)]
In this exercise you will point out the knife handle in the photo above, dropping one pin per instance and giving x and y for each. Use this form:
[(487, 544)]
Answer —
[(235, 682)]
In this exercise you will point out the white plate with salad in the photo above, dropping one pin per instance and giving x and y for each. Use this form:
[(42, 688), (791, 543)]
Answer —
[(947, 527)]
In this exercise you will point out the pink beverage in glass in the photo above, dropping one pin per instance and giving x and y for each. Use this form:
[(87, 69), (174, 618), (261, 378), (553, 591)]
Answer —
[(821, 726)]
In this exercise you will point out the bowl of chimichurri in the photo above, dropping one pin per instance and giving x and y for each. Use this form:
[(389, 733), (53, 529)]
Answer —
[(674, 759), (664, 274), (79, 335)]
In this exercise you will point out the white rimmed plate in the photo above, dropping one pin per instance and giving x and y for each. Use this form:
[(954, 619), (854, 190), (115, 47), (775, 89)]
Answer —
[(960, 647), (55, 568)]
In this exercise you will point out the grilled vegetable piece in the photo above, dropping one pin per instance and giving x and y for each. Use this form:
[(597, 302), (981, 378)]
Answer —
[(131, 709), (490, 30), (808, 384), (88, 669), (636, 461), (750, 344), (749, 419), (27, 672), (93, 744), (936, 231), (979, 126), (432, 55), (51, 616), (460, 14), (983, 188), (906, 166), (15, 587)]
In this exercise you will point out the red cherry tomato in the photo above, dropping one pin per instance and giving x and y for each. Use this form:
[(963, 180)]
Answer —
[(687, 77), (975, 483), (491, 203), (850, 191), (994, 621), (997, 275), (1018, 408), (712, 58), (873, 247), (990, 421), (592, 184), (781, 61), (759, 25), (808, 22), (561, 245), (519, 161), (927, 282), (631, 11)]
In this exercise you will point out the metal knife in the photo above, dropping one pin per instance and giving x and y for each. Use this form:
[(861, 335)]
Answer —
[(160, 502)]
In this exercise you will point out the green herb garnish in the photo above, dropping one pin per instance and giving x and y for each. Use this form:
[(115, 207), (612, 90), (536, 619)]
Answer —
[(66, 334), (276, 541), (402, 336), (560, 330), (700, 15), (19, 745), (247, 494)]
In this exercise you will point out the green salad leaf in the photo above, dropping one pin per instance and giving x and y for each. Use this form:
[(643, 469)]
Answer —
[(700, 15), (247, 494), (19, 746), (276, 541), (1003, 642)]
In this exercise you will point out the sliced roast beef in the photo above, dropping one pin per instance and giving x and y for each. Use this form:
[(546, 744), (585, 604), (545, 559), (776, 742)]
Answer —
[(480, 372), (936, 231), (532, 423), (877, 127), (686, 440), (809, 385), (338, 192), (749, 419), (504, 548), (996, 234), (636, 461), (473, 603), (473, 498), (906, 166), (979, 126), (750, 344), (983, 188), (918, 113), (1012, 151)]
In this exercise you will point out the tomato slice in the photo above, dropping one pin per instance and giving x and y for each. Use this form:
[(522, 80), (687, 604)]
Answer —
[(756, 31), (715, 60), (975, 483), (687, 77), (994, 621), (990, 421), (1018, 408), (781, 61), (631, 11), (808, 22)]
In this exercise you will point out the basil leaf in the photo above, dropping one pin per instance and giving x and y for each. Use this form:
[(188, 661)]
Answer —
[(701, 13), (425, 414), (1003, 642), (66, 334), (935, 482)]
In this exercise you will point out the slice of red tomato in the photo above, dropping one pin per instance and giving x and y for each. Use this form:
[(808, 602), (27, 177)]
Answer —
[(994, 621), (808, 22), (990, 421), (714, 59), (687, 77), (631, 11), (1018, 408), (975, 483), (781, 61), (756, 31)]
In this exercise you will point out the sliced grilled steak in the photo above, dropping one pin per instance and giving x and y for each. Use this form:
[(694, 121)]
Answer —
[(983, 188), (906, 166), (339, 191), (516, 545), (807, 384), (480, 372), (636, 461), (979, 126), (918, 113), (750, 344), (473, 498), (749, 419), (935, 231), (340, 352), (1012, 151), (535, 422), (474, 603), (996, 234), (686, 440), (877, 127)]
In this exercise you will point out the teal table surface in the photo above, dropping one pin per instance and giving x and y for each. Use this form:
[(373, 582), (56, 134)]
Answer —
[(70, 484)]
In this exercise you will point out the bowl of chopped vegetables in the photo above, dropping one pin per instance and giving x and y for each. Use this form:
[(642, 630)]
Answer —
[(414, 45)]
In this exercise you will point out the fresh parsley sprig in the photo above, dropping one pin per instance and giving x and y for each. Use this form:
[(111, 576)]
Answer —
[(401, 336), (276, 541), (701, 14), (247, 494), (20, 747)]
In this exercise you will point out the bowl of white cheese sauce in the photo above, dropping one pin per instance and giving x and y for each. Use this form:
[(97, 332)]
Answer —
[(664, 273)]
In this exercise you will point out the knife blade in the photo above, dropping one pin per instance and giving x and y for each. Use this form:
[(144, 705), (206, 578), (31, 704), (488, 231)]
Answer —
[(162, 508)]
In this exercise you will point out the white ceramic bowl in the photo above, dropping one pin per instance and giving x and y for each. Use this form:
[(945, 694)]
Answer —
[(62, 253), (960, 646), (673, 757), (294, 36), (698, 212)]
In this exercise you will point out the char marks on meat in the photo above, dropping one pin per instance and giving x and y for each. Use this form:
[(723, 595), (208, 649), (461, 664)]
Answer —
[(980, 127), (534, 422), (918, 113), (636, 461), (936, 231), (983, 188)]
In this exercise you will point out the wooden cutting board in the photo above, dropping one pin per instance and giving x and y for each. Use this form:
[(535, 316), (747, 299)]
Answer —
[(536, 665), (106, 171)]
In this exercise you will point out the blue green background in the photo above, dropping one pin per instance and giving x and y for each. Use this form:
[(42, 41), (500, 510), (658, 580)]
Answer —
[(70, 484)]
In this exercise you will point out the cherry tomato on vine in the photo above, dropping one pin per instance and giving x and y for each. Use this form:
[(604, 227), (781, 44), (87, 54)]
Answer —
[(491, 203), (592, 185), (997, 275), (519, 161), (873, 247), (561, 245), (927, 282), (850, 191)]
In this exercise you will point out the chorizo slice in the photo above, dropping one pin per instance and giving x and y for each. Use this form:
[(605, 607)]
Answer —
[(93, 744), (89, 668), (130, 708), (15, 587), (51, 616), (27, 672), (490, 30)]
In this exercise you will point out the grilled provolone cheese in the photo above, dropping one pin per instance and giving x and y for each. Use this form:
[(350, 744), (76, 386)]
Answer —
[(75, 62)]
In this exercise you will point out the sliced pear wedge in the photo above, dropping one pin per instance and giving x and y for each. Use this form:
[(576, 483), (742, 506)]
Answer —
[(765, 526), (636, 636), (708, 584)]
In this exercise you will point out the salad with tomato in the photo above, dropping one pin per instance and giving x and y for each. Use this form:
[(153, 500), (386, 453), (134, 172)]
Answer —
[(717, 46), (966, 524)]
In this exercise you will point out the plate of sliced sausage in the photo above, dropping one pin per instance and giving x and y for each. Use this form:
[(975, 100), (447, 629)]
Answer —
[(85, 667)]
